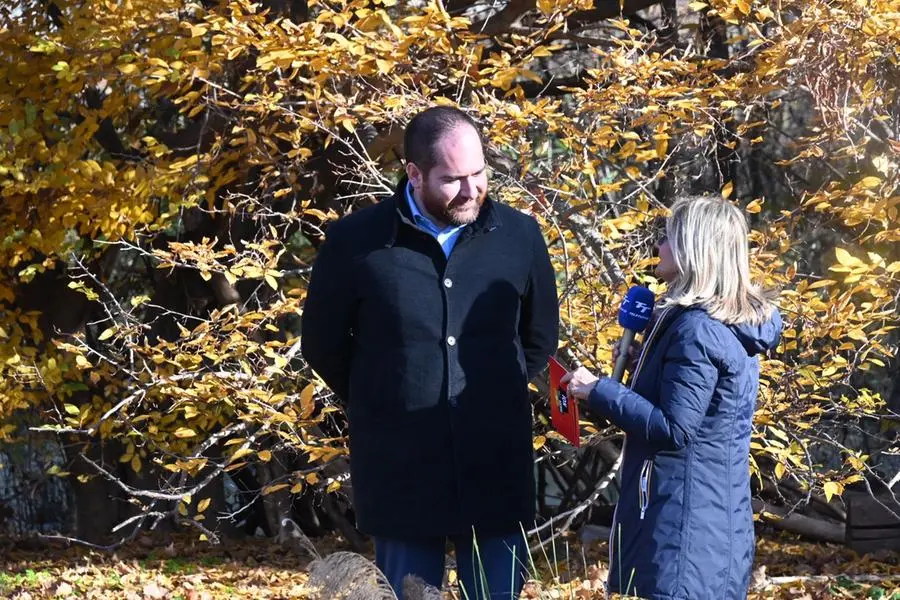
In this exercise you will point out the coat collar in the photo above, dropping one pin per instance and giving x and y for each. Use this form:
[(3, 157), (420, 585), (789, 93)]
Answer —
[(488, 218)]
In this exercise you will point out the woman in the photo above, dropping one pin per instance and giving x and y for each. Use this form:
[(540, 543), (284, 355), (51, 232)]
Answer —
[(683, 527)]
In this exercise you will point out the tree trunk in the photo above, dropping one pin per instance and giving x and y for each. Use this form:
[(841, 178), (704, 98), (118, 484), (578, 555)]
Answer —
[(99, 503), (277, 504)]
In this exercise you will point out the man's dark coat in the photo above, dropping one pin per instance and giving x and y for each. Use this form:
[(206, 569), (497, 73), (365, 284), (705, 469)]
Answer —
[(432, 357)]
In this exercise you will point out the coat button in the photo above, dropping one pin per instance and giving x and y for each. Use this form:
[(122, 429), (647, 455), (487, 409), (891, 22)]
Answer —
[(448, 283), (451, 341)]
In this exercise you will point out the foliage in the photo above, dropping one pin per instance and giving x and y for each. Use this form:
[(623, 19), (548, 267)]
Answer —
[(257, 569), (167, 170)]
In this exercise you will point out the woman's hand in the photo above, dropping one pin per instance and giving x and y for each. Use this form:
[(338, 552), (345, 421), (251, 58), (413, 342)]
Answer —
[(581, 382), (634, 351)]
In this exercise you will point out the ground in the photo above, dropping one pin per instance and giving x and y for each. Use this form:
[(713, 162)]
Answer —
[(187, 569)]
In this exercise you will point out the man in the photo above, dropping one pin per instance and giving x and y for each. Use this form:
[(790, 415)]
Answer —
[(427, 314)]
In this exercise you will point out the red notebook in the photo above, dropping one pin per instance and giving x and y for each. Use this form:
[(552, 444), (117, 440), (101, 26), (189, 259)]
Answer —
[(563, 410)]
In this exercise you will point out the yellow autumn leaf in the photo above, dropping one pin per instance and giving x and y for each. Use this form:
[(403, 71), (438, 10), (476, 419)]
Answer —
[(107, 333), (539, 442), (333, 487), (856, 462), (138, 300), (531, 75), (203, 505), (307, 406), (763, 13), (180, 165), (727, 189), (822, 283), (185, 432), (832, 488), (384, 66), (264, 455), (239, 453), (661, 147), (270, 489), (870, 182), (857, 334), (847, 259)]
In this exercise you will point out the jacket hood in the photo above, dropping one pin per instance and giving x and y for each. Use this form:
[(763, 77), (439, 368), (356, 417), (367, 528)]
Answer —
[(757, 339)]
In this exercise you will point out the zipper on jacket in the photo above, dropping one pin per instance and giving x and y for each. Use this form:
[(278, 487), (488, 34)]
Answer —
[(634, 376), (647, 467), (644, 491), (612, 531)]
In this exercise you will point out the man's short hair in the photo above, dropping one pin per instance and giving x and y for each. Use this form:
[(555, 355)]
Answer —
[(426, 128)]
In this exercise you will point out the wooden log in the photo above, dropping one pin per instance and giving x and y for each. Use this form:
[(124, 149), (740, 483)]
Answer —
[(809, 527)]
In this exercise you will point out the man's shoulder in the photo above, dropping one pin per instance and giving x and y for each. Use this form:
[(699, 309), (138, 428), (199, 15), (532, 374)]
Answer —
[(515, 218), (362, 220)]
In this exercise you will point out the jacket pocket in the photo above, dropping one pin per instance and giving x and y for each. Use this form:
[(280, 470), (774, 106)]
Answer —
[(644, 483)]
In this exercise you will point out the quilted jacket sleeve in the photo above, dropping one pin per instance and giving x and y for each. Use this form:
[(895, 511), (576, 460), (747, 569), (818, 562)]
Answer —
[(690, 374)]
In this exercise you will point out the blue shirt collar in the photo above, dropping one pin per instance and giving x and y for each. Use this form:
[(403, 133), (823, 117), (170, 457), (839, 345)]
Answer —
[(421, 220)]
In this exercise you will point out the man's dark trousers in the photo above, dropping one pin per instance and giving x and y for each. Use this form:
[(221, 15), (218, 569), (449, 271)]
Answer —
[(491, 568)]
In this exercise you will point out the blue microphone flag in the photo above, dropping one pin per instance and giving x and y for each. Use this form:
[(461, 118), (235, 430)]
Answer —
[(637, 306)]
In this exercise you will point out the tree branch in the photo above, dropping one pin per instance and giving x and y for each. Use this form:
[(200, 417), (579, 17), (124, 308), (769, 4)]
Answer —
[(608, 9), (556, 86), (501, 21)]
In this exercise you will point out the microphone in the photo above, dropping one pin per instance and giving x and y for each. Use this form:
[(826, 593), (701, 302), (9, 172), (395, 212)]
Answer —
[(634, 315)]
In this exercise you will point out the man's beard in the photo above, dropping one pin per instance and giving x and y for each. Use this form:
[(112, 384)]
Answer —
[(460, 211)]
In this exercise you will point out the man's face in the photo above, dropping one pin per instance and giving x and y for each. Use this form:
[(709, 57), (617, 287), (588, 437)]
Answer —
[(453, 191)]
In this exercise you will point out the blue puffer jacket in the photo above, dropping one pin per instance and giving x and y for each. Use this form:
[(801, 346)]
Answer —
[(684, 524)]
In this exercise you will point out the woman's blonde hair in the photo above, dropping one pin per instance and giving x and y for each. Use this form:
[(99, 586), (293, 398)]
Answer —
[(708, 240)]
